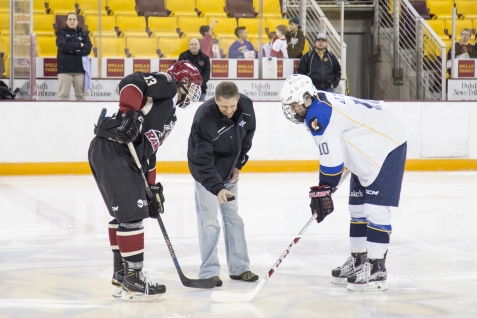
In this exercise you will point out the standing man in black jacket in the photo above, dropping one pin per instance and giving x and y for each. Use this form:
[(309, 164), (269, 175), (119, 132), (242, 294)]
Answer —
[(220, 138), (321, 66), (200, 60), (72, 45)]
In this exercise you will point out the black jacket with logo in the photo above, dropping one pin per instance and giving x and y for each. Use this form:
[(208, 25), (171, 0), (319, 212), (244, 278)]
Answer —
[(70, 51), (202, 62), (323, 73), (218, 144)]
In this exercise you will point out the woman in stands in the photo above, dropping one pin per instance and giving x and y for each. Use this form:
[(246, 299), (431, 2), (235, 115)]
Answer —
[(74, 47)]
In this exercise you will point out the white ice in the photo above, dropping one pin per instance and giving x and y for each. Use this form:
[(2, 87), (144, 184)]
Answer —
[(55, 259)]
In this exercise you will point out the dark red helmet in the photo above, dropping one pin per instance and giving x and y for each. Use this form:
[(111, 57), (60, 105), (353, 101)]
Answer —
[(185, 69)]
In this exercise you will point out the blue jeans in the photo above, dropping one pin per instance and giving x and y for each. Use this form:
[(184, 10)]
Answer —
[(208, 226)]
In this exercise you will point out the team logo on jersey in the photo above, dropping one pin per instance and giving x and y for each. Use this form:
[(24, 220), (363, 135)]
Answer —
[(141, 203), (356, 194), (115, 208), (372, 192), (242, 123), (156, 137), (315, 125)]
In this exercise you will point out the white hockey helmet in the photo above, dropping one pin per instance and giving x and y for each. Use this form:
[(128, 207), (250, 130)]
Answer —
[(293, 91)]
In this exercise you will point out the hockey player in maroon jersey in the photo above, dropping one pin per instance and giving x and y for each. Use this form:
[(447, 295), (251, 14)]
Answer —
[(146, 116)]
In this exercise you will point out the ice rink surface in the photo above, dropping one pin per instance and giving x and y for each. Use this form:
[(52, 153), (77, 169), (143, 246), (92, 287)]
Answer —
[(55, 259)]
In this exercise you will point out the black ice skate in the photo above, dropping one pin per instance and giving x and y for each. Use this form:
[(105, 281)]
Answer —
[(139, 287), (353, 264), (372, 277), (117, 281)]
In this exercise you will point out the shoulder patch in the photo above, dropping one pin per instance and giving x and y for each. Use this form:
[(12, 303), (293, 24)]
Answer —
[(315, 125)]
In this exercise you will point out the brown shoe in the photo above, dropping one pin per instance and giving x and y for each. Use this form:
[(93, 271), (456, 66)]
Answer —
[(247, 276)]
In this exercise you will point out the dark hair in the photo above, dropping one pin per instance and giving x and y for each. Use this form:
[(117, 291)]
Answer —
[(204, 29), (238, 30), (72, 14), (271, 35), (282, 28), (226, 90)]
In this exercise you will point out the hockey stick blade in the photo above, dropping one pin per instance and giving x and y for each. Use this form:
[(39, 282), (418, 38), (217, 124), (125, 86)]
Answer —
[(226, 297), (187, 282)]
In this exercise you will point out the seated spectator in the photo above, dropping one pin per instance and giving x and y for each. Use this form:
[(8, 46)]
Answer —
[(207, 32), (267, 47), (200, 60), (241, 48), (295, 39), (463, 49), (279, 43)]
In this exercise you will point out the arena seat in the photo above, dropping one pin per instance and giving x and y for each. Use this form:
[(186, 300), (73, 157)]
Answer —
[(181, 6), (190, 25), (459, 26), (440, 9), (240, 9), (162, 27), (87, 7), (43, 24), (224, 45), (141, 47), (224, 26), (110, 47), (252, 25), (108, 24), (172, 48), (210, 7), (46, 46), (121, 7), (127, 26), (273, 23), (467, 9), (421, 8), (60, 6), (439, 26), (147, 8), (431, 49), (271, 9)]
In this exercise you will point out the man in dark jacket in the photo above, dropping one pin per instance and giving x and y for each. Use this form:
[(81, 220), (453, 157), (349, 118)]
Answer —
[(73, 44), (321, 66), (200, 60), (220, 138), (295, 39)]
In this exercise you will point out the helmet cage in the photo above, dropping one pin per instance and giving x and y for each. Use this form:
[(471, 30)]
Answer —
[(192, 96)]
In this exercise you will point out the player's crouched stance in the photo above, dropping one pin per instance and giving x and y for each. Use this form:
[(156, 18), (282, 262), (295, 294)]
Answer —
[(371, 143), (146, 116)]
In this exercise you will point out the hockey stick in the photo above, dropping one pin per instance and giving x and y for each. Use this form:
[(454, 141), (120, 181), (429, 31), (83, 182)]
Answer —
[(225, 297), (187, 282)]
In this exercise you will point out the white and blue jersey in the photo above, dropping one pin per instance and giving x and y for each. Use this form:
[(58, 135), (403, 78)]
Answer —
[(354, 133)]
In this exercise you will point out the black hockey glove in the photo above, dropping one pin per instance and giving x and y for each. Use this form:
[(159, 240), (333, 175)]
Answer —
[(321, 201), (156, 205), (130, 126)]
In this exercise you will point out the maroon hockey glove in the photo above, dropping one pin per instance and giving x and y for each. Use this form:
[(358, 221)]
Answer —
[(321, 201), (130, 127), (156, 205)]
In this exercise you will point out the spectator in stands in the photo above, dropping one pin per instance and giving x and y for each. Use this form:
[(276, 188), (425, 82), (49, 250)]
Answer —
[(200, 60), (279, 43), (321, 66), (267, 47), (463, 49), (73, 44), (207, 32), (241, 48), (295, 39)]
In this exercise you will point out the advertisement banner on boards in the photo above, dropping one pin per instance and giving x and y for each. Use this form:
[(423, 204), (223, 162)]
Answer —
[(462, 89)]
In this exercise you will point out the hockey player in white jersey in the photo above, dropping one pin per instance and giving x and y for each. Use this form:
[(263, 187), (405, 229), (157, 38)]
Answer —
[(365, 138)]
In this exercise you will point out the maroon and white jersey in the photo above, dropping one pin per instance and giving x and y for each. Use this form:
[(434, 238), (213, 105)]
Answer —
[(155, 95)]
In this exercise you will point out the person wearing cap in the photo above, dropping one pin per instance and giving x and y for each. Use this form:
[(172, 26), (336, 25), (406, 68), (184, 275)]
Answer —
[(295, 39), (321, 66)]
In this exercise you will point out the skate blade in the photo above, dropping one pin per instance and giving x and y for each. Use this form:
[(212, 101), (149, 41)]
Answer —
[(117, 291), (140, 297), (339, 280), (372, 286)]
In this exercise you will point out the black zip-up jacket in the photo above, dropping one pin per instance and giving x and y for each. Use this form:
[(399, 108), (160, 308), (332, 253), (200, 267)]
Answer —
[(218, 144), (323, 73), (70, 51), (202, 62)]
